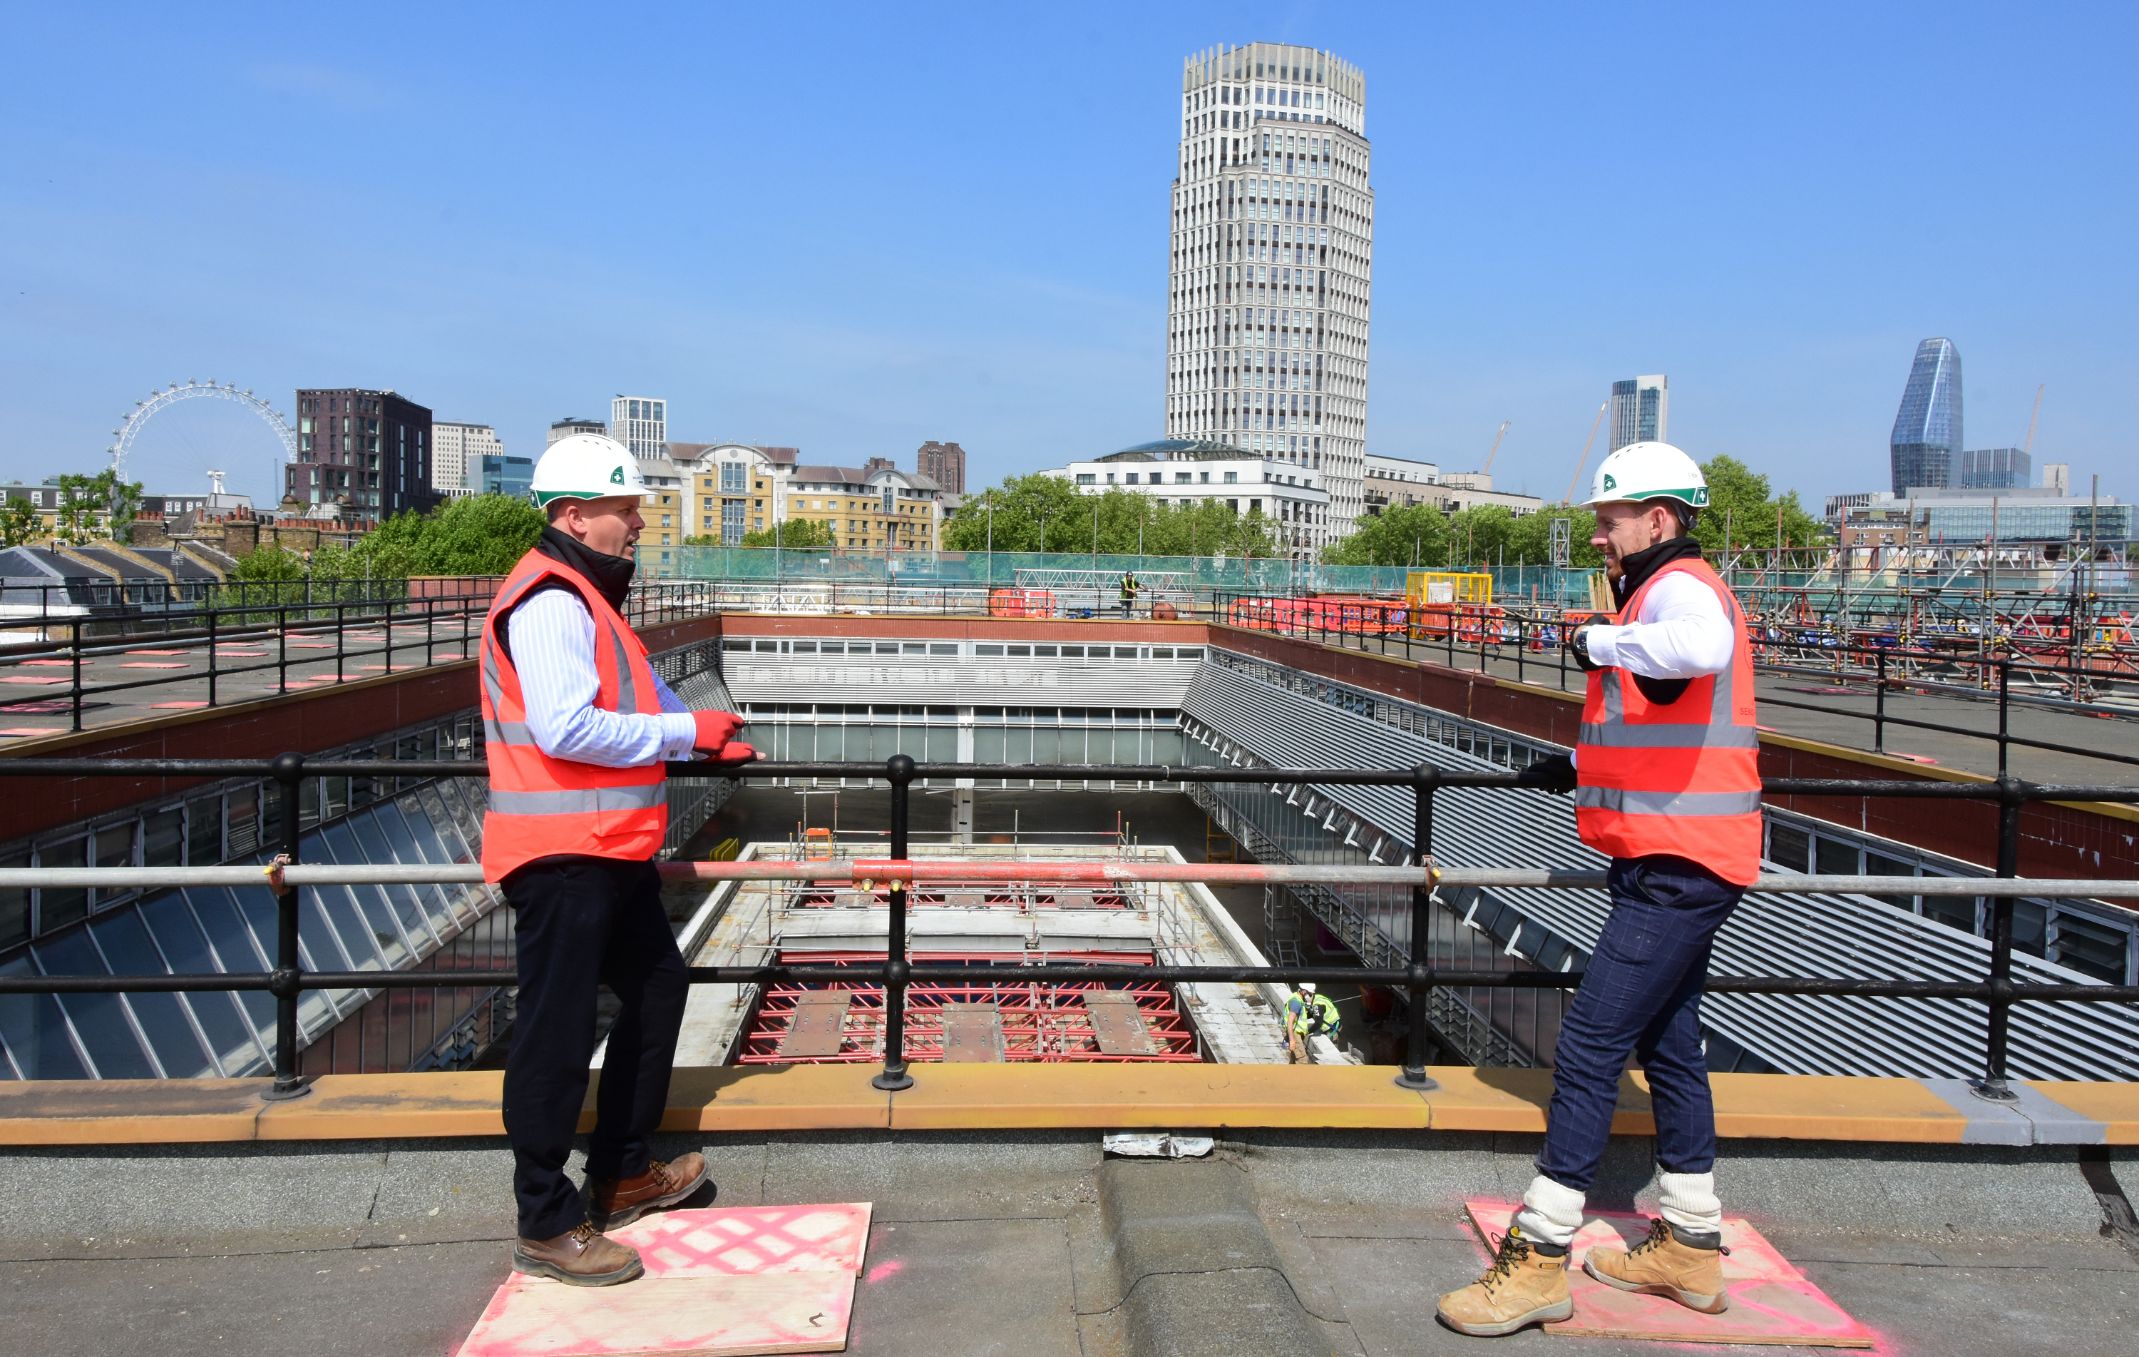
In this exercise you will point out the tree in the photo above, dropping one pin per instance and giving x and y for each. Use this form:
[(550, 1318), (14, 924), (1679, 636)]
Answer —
[(19, 522), (1046, 513), (1740, 506), (94, 506), (794, 534), (474, 535), (1404, 535)]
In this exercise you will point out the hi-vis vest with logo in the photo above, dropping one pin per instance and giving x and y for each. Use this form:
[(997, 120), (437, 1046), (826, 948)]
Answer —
[(540, 806), (1682, 777)]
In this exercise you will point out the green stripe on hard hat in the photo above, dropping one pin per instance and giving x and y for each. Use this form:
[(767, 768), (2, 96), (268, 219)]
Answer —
[(1695, 495)]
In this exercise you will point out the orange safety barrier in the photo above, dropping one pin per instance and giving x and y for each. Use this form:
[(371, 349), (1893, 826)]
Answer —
[(1013, 602)]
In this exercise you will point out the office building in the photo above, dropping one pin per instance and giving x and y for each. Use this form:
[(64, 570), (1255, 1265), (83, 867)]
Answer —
[(2057, 476), (457, 452), (1641, 411), (1271, 260), (641, 424), (1993, 469), (1188, 474), (361, 454), (499, 473), (943, 463), (1396, 482), (1927, 430), (566, 427)]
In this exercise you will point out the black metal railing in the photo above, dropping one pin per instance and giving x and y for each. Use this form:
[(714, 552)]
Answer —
[(288, 980), (213, 641), (1534, 650)]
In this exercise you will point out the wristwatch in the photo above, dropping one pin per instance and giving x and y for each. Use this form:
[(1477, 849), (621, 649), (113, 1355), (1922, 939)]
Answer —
[(1579, 644)]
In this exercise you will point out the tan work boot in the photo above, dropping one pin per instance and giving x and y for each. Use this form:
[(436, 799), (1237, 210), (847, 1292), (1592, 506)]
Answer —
[(620, 1201), (1665, 1265), (1521, 1288), (582, 1256)]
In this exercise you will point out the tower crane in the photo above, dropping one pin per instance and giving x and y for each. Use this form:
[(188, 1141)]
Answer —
[(1488, 467), (2027, 449), (1587, 444)]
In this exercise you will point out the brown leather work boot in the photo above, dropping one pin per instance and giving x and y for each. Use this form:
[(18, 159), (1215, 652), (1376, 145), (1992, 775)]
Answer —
[(1664, 1264), (620, 1201), (1521, 1288), (581, 1256)]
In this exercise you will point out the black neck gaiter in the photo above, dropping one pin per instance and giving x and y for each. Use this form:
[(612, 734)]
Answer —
[(610, 575)]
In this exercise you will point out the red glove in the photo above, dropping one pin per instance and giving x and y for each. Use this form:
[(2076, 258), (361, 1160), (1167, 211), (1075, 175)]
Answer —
[(735, 751), (715, 729)]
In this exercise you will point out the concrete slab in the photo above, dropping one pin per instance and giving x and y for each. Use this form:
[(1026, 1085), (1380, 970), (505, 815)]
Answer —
[(947, 1177), (338, 1303), (984, 1288)]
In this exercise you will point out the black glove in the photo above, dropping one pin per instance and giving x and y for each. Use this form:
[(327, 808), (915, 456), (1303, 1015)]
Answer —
[(1578, 642), (1553, 773)]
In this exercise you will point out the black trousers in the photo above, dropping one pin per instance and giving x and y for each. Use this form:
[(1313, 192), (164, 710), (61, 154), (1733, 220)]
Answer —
[(581, 923)]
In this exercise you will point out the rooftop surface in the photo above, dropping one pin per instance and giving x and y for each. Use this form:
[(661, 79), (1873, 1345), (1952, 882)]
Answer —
[(1036, 1244)]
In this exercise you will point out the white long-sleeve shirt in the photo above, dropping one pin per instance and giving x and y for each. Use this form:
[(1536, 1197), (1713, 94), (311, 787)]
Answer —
[(1681, 632), (552, 640)]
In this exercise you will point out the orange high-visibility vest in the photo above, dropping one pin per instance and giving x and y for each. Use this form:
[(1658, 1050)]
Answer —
[(1683, 777), (543, 807)]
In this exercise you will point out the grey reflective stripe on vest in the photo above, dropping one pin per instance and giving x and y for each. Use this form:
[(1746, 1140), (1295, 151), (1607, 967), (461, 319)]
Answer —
[(580, 802), (1667, 803), (629, 699), (1620, 735), (507, 732)]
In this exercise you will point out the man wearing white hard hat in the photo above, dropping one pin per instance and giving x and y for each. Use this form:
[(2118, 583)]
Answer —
[(577, 729), (1666, 777)]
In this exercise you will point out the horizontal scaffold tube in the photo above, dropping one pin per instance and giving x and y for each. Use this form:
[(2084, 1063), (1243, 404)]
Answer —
[(968, 872)]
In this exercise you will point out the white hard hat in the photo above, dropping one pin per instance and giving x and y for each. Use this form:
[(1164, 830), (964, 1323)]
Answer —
[(1307, 987), (587, 466), (1642, 471)]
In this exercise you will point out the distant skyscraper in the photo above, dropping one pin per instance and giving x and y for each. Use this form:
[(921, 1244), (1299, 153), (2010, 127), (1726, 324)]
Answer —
[(369, 451), (456, 455), (2058, 476), (1993, 469), (1641, 411), (1273, 248), (641, 424), (1927, 432), (566, 427), (945, 464)]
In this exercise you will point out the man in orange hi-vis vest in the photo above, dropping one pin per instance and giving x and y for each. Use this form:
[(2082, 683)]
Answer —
[(1666, 777), (577, 728)]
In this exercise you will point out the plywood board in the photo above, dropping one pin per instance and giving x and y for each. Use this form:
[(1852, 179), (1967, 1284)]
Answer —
[(712, 1316), (818, 1026), (1118, 1025), (1771, 1301), (720, 1282), (972, 1033)]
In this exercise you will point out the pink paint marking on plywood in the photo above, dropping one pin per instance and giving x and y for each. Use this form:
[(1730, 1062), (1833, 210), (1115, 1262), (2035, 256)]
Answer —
[(753, 1279), (176, 706), (1771, 1301), (31, 680)]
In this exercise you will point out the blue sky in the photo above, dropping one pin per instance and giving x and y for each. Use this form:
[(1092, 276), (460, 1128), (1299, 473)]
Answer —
[(852, 228)]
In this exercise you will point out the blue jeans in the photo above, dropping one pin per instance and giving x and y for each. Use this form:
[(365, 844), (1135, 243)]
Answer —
[(1640, 996)]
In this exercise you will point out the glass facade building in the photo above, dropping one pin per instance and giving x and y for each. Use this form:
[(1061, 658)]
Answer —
[(1641, 411), (504, 474), (1993, 469), (1926, 446)]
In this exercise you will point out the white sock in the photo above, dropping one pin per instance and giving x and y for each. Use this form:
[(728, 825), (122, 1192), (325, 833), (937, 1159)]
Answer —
[(1689, 1202), (1550, 1213)]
